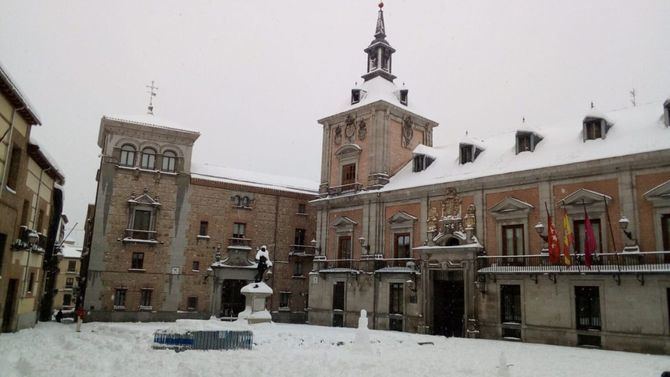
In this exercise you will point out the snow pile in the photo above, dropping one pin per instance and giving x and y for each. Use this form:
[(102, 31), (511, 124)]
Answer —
[(283, 350)]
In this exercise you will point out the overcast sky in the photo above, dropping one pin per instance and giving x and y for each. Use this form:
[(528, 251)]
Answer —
[(254, 76)]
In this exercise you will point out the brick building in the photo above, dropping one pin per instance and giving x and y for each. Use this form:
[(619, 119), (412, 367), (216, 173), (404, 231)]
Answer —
[(30, 206), (175, 239), (452, 240)]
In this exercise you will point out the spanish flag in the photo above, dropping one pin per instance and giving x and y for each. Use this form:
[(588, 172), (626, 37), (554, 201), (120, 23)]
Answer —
[(568, 239)]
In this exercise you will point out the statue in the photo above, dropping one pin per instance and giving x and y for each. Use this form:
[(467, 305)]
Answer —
[(433, 220), (263, 260)]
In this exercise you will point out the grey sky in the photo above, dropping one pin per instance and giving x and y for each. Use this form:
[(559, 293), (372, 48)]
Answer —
[(254, 76)]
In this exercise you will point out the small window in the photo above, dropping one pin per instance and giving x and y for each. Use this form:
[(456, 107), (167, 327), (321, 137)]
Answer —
[(196, 265), (421, 162), (523, 143), (127, 155), (145, 297), (344, 247), (72, 266), (593, 129), (169, 161), (302, 208), (403, 96), (204, 225), (466, 154), (69, 283), (299, 237), (148, 159), (31, 282), (67, 300), (239, 230), (348, 174), (237, 201), (587, 307), (245, 202), (120, 298), (297, 268), (666, 107), (14, 168), (401, 246), (355, 96), (192, 303), (137, 261), (284, 300)]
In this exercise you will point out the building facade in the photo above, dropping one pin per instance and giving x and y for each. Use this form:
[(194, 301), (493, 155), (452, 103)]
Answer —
[(30, 203), (452, 240), (67, 280), (175, 239)]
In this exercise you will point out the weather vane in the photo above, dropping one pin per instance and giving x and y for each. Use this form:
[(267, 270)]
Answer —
[(152, 94)]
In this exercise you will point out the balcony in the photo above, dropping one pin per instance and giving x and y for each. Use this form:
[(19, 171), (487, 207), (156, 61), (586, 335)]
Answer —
[(301, 251), (348, 188), (602, 263), (370, 264), (140, 236), (239, 241)]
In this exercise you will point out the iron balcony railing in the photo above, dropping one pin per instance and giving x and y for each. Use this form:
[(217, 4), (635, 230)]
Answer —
[(238, 241), (301, 250), (637, 262), (365, 264)]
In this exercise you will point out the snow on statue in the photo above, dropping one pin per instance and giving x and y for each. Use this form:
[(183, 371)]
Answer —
[(263, 259)]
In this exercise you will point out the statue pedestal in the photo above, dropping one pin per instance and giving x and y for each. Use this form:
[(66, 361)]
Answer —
[(255, 295)]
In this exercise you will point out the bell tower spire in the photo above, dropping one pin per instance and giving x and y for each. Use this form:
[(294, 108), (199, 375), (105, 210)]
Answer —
[(379, 51)]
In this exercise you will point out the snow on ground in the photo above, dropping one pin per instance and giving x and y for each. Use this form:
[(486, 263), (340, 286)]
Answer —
[(124, 349)]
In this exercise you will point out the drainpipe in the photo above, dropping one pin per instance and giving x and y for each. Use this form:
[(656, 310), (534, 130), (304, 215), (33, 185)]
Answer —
[(3, 179)]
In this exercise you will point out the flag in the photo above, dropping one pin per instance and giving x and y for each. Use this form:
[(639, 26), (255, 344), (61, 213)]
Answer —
[(568, 239), (552, 240), (589, 240)]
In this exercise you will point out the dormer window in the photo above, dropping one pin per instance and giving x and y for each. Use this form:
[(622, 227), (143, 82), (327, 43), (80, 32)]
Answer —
[(666, 107), (469, 153), (421, 162), (403, 96), (526, 141), (595, 128), (355, 96)]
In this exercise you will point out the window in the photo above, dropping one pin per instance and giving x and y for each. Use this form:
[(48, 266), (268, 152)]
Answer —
[(196, 265), (466, 154), (31, 282), (401, 246), (3, 241), (245, 202), (338, 304), (169, 161), (40, 220), (523, 143), (578, 227), (512, 240), (403, 96), (127, 155), (587, 307), (67, 300), (14, 165), (238, 230), (142, 220), (148, 159), (137, 261), (302, 208), (348, 174), (510, 311), (203, 228), (145, 297), (396, 309), (299, 238), (25, 212), (72, 266), (192, 303), (355, 96), (344, 247), (284, 299), (297, 268), (69, 283), (120, 298), (593, 129), (421, 162)]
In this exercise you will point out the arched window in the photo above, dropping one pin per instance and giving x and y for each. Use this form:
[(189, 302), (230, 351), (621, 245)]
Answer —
[(245, 201), (148, 159), (127, 155), (169, 160)]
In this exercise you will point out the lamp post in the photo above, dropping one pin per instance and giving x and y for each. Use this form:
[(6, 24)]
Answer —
[(539, 228), (631, 245)]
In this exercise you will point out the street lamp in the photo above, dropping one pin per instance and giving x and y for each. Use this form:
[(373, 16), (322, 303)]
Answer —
[(361, 240), (539, 228), (631, 244)]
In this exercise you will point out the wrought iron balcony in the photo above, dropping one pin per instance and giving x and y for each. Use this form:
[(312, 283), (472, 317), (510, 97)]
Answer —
[(239, 241), (370, 264), (302, 251), (640, 262)]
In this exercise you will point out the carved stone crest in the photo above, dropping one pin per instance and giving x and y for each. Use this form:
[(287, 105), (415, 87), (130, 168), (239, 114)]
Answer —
[(350, 128), (447, 224), (407, 131), (362, 130), (338, 135)]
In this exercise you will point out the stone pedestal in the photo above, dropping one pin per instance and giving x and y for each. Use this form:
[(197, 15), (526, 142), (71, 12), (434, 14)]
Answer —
[(255, 295)]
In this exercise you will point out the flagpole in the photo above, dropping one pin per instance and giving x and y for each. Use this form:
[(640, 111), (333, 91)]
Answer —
[(609, 223)]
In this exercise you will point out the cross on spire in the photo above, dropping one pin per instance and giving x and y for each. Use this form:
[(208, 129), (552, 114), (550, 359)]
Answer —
[(152, 94)]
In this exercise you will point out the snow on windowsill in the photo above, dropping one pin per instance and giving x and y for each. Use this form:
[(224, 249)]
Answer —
[(203, 237), (128, 239), (136, 270)]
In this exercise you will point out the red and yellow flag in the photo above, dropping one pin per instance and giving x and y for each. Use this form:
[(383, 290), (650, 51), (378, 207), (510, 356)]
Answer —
[(568, 239), (552, 240)]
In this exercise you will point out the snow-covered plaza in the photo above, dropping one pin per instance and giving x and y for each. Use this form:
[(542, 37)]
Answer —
[(125, 349)]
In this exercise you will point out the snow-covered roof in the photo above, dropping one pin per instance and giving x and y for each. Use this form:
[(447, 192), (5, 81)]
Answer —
[(378, 89), (71, 251), (249, 178), (41, 156), (635, 130), (17, 97), (149, 121)]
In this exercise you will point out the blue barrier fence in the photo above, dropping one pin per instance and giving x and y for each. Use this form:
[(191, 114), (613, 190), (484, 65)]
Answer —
[(203, 340)]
